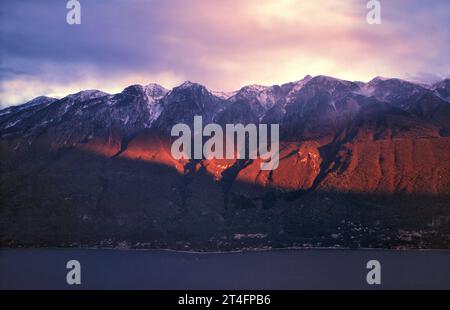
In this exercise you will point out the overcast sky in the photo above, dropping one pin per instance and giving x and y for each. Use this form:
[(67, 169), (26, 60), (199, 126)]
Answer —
[(222, 44)]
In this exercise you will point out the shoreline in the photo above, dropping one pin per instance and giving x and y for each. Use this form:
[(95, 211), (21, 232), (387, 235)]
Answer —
[(244, 250)]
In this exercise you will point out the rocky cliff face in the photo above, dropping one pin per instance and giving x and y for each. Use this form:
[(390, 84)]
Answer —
[(93, 166)]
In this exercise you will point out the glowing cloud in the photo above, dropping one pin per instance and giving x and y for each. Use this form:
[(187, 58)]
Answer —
[(222, 44)]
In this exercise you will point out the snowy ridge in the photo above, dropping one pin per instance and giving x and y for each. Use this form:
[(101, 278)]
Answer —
[(311, 99)]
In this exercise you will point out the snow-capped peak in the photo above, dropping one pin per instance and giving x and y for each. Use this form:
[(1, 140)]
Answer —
[(87, 94), (188, 84), (445, 83), (253, 88), (41, 100), (37, 101), (155, 91), (379, 78), (249, 91), (299, 84), (224, 95), (263, 95)]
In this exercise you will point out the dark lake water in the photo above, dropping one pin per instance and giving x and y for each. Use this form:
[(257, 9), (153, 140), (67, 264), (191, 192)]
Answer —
[(283, 269)]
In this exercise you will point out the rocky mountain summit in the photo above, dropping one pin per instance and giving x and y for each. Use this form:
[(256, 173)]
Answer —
[(361, 164)]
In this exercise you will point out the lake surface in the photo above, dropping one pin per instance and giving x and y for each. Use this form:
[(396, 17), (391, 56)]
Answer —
[(282, 269)]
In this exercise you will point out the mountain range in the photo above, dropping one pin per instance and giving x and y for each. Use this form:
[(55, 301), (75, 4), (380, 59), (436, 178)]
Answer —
[(361, 164)]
